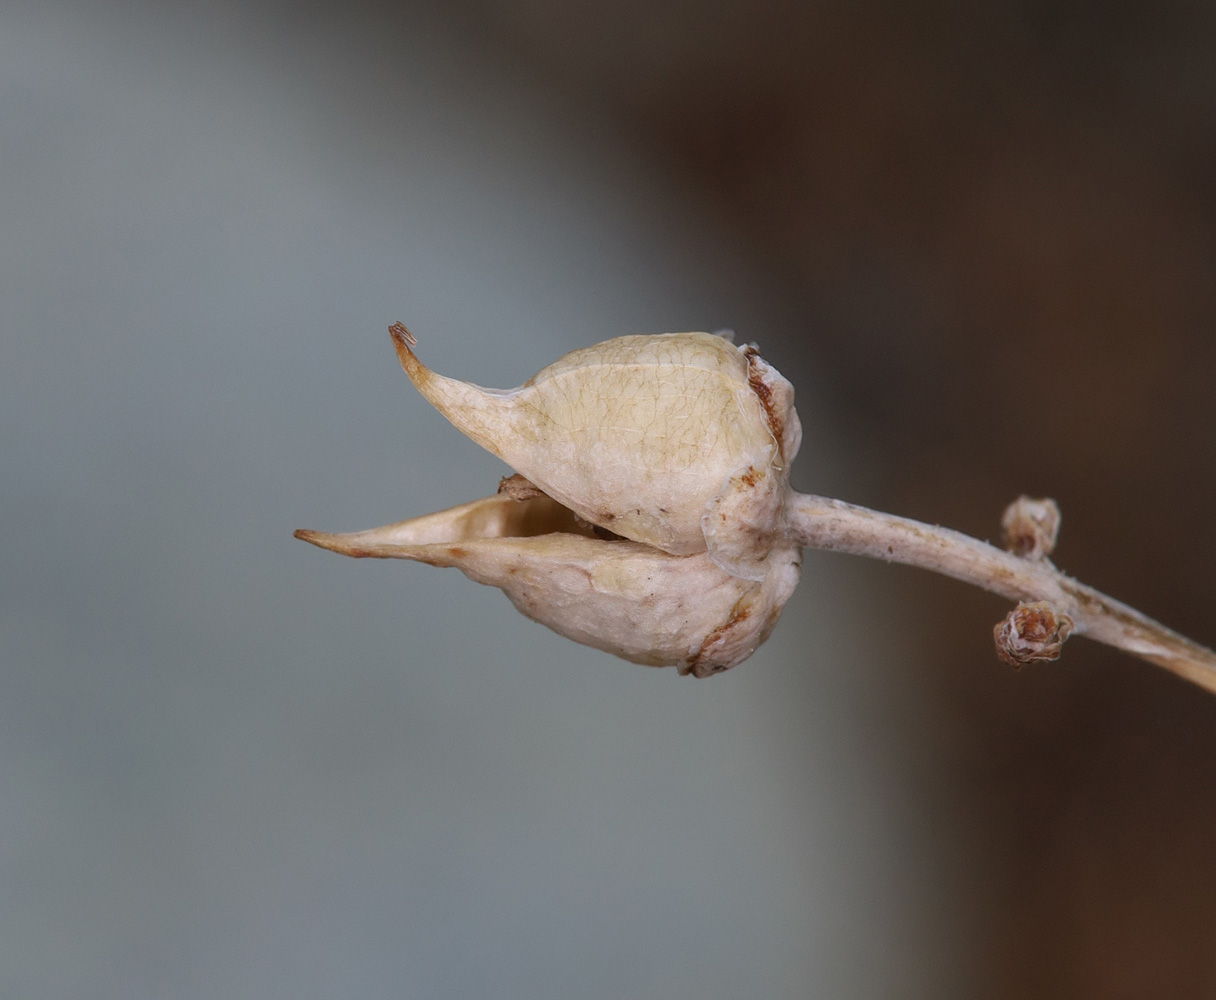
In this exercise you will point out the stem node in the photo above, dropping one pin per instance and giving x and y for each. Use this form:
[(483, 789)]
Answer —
[(824, 523)]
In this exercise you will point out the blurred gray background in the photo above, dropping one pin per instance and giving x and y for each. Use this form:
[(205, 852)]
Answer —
[(979, 242)]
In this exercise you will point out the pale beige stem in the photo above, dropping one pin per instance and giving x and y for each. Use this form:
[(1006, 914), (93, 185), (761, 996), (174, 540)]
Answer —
[(823, 523)]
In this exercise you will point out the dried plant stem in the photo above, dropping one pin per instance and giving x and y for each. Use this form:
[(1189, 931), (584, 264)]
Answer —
[(823, 523)]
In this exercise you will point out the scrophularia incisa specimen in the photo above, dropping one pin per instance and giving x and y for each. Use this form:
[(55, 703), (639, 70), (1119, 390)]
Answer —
[(651, 514)]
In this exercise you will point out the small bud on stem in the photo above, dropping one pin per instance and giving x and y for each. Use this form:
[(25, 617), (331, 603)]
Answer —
[(1031, 527), (1031, 632)]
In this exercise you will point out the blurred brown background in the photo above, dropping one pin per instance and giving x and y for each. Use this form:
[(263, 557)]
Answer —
[(993, 226)]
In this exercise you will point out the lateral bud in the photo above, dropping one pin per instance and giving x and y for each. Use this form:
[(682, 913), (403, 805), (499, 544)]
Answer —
[(1031, 632), (1031, 527)]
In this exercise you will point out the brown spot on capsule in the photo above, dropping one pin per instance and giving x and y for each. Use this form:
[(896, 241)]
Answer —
[(774, 418), (703, 664)]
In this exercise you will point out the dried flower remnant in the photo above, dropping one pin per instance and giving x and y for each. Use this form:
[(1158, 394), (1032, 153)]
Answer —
[(651, 515), (518, 488), (1030, 633)]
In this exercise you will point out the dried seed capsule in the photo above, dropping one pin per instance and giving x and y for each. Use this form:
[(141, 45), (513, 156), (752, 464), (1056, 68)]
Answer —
[(646, 515)]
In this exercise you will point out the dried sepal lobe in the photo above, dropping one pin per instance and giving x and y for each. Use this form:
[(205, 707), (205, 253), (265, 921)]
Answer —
[(645, 436), (623, 597)]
